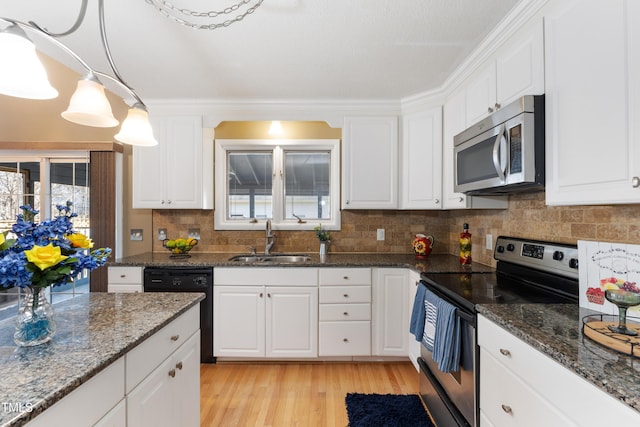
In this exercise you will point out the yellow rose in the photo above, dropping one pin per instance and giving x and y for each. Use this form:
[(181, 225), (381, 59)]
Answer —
[(1, 238), (45, 256), (79, 240)]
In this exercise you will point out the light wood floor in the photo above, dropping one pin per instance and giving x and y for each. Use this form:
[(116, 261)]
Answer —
[(291, 394)]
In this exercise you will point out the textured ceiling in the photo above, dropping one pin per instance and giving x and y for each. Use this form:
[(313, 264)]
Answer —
[(287, 49)]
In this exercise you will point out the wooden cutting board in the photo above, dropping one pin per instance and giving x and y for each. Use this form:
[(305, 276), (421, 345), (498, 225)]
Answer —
[(599, 332)]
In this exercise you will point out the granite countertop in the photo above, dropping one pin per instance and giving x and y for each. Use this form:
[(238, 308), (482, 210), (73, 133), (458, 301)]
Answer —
[(435, 263), (556, 330), (93, 331)]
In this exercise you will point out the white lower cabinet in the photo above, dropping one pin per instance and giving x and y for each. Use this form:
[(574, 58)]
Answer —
[(267, 320), (390, 325), (170, 395), (125, 279), (345, 312), (514, 394)]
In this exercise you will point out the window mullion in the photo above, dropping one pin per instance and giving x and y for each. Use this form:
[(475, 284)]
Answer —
[(278, 185)]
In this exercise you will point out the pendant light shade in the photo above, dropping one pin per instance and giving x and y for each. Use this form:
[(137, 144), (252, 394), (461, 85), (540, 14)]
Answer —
[(136, 129), (89, 105), (22, 75)]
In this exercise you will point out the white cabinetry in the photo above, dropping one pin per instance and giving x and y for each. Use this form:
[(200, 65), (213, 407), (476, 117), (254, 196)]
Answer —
[(163, 375), (592, 102), (516, 69), (91, 402), (266, 312), (124, 279), (390, 325), (370, 163), (421, 159), (414, 345), (513, 394), (345, 312), (454, 122), (175, 174)]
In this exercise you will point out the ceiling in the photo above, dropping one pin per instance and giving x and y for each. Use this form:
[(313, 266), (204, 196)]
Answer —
[(285, 50)]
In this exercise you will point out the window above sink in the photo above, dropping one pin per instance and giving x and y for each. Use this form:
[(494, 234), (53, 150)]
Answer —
[(294, 183)]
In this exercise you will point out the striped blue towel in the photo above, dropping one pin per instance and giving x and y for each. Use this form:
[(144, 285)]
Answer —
[(416, 327), (442, 332)]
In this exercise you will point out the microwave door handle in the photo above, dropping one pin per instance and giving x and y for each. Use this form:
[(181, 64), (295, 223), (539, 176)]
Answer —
[(496, 153)]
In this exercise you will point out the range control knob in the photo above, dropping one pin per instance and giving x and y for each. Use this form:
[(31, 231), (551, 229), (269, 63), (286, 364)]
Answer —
[(573, 263), (500, 249), (558, 255), (511, 247)]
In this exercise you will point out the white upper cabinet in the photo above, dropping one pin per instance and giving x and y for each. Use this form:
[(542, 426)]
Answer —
[(177, 173), (421, 154), (592, 102), (516, 69), (370, 163)]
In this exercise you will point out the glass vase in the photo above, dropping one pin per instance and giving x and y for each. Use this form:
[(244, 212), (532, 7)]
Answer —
[(34, 324)]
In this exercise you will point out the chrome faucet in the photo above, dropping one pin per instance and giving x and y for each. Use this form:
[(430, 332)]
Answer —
[(270, 238)]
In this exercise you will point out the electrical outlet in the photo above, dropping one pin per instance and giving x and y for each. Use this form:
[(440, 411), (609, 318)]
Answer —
[(489, 241), (162, 233), (380, 234)]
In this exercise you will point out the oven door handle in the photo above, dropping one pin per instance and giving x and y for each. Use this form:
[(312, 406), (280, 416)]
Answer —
[(498, 154), (466, 317), (463, 314)]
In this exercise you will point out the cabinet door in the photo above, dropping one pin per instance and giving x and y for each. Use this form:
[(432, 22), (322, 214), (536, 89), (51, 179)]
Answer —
[(454, 122), (186, 383), (520, 66), (183, 165), (148, 169), (591, 102), (421, 180), (481, 94), (390, 324), (238, 323), (369, 163), (292, 322), (151, 403)]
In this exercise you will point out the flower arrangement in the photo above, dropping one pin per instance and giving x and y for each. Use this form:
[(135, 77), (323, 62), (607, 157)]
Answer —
[(323, 235), (47, 254)]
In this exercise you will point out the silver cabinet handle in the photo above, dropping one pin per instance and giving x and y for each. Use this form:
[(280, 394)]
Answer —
[(635, 182), (489, 110), (175, 337), (345, 277), (179, 365), (507, 409), (437, 201), (123, 276), (497, 106), (505, 352), (345, 339), (172, 373), (345, 313), (260, 294), (347, 202), (346, 295), (461, 199)]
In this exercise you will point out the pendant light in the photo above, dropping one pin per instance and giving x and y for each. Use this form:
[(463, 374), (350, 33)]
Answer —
[(136, 129), (89, 105), (22, 75)]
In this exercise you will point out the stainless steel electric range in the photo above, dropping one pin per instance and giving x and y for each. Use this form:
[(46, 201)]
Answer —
[(527, 272)]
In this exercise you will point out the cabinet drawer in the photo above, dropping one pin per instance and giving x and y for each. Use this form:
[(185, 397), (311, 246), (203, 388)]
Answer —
[(344, 276), (343, 312), (124, 287), (272, 276), (507, 401), (345, 339), (342, 294), (125, 274), (153, 351)]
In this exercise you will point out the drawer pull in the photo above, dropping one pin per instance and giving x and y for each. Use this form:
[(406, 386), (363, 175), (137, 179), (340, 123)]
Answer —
[(346, 313), (123, 276), (345, 339), (345, 277), (172, 373), (346, 295), (175, 337), (268, 295), (507, 409), (179, 365), (505, 352), (260, 294)]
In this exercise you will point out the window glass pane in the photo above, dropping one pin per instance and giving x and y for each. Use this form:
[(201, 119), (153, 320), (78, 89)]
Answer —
[(70, 182), (249, 185), (19, 185), (307, 189)]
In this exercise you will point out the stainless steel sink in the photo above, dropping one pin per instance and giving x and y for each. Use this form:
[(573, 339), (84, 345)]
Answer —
[(271, 258)]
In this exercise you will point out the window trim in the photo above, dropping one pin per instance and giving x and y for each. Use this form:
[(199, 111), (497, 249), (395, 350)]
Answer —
[(278, 147)]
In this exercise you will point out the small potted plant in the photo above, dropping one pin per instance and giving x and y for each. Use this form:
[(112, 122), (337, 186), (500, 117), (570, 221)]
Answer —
[(325, 238)]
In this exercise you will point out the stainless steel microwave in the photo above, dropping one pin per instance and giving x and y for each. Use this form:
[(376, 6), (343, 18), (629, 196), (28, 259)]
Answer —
[(503, 153)]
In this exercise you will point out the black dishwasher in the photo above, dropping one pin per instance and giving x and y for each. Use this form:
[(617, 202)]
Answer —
[(188, 279)]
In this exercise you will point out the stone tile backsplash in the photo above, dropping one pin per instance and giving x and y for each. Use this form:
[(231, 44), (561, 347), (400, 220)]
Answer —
[(527, 216)]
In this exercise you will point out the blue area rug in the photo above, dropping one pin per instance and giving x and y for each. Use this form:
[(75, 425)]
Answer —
[(388, 410)]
